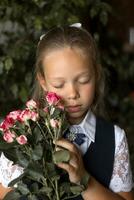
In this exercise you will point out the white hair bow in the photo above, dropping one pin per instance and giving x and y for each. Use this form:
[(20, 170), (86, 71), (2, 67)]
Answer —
[(77, 25), (41, 37)]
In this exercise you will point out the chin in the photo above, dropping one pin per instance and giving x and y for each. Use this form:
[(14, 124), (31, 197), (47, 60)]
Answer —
[(75, 118)]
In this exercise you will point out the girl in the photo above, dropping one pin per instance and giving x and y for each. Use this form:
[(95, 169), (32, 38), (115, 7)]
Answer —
[(67, 63)]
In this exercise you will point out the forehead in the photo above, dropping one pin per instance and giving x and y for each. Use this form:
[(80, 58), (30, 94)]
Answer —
[(66, 58), (66, 48)]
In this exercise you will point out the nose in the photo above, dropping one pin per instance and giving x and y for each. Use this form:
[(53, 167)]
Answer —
[(73, 92)]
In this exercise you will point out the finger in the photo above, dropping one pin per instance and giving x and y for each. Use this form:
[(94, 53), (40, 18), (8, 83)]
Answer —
[(74, 161), (67, 145), (66, 166), (73, 176)]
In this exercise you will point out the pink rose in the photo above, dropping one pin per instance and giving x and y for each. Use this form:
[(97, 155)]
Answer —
[(54, 123), (34, 116), (8, 136), (7, 123), (52, 98), (31, 104), (27, 115), (14, 114), (21, 139), (10, 120)]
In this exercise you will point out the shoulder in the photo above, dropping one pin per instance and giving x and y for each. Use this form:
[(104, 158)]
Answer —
[(119, 135), (109, 129), (104, 127), (120, 138), (119, 132)]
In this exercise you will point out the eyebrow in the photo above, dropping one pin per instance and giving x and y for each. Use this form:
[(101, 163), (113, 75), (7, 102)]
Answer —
[(77, 76), (56, 78), (84, 73)]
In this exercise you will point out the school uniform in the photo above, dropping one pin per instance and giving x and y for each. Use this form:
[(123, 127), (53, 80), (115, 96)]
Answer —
[(105, 153)]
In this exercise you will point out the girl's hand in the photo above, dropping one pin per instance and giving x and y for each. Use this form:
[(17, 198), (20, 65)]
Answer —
[(3, 191), (75, 167)]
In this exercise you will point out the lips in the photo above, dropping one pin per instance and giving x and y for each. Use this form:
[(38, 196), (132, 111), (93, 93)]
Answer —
[(75, 108)]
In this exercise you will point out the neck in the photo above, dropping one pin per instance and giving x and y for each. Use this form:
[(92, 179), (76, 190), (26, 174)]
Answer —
[(77, 120)]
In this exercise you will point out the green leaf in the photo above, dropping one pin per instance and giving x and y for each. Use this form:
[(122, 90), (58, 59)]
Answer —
[(76, 189), (8, 63), (36, 135), (4, 145), (38, 23), (23, 159), (23, 189), (1, 67), (32, 197), (61, 156), (65, 188), (11, 154), (85, 179), (105, 6), (34, 170), (51, 169), (37, 152), (93, 12), (34, 187), (47, 190), (12, 196), (104, 17)]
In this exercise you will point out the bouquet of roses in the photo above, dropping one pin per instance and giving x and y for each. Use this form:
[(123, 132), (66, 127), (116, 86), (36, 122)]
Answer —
[(26, 138)]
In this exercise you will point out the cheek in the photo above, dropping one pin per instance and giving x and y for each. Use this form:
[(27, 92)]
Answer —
[(88, 92), (49, 88), (59, 92)]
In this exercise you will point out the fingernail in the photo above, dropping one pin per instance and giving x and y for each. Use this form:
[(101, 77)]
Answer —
[(53, 141), (57, 149)]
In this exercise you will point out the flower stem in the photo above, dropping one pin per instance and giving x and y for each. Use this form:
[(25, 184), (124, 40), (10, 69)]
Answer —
[(56, 190), (41, 130), (49, 130)]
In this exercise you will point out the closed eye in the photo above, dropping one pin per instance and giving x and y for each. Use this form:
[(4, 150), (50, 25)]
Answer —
[(84, 80), (58, 86)]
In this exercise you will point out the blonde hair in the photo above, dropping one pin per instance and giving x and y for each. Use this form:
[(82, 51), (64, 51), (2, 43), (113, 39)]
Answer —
[(61, 37)]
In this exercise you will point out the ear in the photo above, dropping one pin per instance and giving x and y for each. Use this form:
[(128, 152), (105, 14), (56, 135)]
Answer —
[(42, 81)]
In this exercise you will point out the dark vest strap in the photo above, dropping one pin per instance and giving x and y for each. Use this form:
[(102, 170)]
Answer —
[(99, 158)]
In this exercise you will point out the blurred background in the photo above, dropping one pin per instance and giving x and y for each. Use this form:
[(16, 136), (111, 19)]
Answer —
[(110, 22)]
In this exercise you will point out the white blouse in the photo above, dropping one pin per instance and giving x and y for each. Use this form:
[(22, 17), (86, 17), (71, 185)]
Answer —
[(122, 175)]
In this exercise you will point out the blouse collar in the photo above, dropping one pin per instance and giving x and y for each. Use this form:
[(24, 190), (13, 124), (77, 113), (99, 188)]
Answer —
[(88, 125)]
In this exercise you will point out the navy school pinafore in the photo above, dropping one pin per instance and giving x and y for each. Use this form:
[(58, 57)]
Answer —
[(99, 158)]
